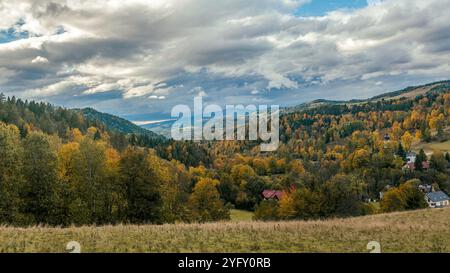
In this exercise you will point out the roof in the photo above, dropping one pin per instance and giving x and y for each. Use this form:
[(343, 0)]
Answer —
[(412, 166), (271, 194), (437, 196)]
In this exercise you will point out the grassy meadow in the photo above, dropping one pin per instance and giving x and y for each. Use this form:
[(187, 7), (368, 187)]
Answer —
[(415, 231), (443, 147), (241, 215)]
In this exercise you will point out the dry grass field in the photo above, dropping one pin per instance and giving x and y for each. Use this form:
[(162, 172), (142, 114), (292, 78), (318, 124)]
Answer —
[(416, 231), (443, 147)]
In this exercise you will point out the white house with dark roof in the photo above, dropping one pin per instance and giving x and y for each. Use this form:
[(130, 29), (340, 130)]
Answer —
[(437, 199), (411, 157)]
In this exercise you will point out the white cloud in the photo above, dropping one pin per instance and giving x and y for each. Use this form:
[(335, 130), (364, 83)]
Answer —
[(39, 60), (155, 97), (373, 2)]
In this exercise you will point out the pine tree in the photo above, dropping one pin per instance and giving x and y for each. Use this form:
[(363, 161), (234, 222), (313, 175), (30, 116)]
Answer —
[(401, 152), (421, 157)]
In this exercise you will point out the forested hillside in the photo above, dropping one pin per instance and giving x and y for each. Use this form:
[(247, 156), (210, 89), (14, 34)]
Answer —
[(335, 157), (117, 124), (60, 167)]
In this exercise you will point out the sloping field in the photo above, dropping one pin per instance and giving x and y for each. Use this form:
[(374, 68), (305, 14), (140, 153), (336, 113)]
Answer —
[(416, 231), (433, 146)]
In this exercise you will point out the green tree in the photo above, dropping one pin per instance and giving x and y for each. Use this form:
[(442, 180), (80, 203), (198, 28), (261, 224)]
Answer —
[(414, 198), (11, 178), (308, 204), (438, 162), (91, 177), (142, 188), (267, 210), (447, 156), (401, 152), (73, 205), (40, 173), (393, 200), (343, 196), (420, 158)]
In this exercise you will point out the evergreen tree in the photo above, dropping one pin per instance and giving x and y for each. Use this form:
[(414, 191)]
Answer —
[(420, 158), (401, 152)]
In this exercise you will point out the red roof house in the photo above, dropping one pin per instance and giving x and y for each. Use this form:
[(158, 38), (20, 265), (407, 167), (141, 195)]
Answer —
[(272, 195)]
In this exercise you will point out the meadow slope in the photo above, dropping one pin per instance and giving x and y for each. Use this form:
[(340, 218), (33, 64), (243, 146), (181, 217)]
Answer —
[(414, 231)]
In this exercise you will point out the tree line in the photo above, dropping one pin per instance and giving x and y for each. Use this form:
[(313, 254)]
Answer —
[(86, 181)]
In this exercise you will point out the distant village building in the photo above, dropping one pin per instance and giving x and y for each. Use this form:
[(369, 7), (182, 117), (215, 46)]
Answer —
[(410, 166), (411, 157), (271, 195), (426, 188), (437, 199)]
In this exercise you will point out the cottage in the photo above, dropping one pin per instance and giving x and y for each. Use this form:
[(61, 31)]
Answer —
[(437, 199), (271, 195), (426, 188), (411, 157), (410, 166)]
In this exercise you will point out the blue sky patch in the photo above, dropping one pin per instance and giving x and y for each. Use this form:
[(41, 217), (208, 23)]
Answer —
[(10, 35), (321, 7)]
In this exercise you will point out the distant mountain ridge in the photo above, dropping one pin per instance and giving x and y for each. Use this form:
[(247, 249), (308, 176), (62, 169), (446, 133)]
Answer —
[(410, 92), (164, 127), (117, 124)]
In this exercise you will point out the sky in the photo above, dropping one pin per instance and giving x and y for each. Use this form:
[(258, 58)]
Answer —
[(138, 59)]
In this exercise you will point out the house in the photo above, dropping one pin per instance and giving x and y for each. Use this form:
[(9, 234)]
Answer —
[(437, 199), (271, 195), (411, 157), (426, 188), (410, 166)]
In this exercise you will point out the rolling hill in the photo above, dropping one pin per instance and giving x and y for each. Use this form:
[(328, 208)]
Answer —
[(117, 124), (406, 93)]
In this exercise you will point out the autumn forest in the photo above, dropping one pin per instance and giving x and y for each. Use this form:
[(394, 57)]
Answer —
[(62, 167)]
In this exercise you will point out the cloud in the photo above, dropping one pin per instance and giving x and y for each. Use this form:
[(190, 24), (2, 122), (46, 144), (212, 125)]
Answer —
[(373, 2), (137, 56), (39, 60)]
